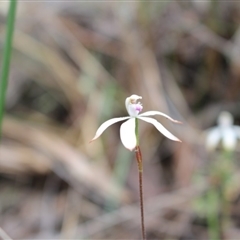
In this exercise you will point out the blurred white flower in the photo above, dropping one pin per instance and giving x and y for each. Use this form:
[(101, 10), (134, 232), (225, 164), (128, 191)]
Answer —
[(225, 132), (127, 129)]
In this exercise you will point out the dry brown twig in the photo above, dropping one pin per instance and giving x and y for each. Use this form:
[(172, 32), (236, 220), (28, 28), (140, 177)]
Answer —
[(77, 168), (152, 206), (4, 235)]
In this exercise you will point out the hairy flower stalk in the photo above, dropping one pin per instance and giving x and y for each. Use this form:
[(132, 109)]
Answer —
[(140, 177), (140, 174), (130, 137)]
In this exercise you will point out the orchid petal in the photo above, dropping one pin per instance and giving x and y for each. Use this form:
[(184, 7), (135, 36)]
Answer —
[(107, 124), (152, 113), (236, 129), (160, 128), (213, 138), (229, 138), (127, 134)]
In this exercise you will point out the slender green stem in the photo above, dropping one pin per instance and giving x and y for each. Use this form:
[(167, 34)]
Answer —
[(136, 131), (140, 172), (212, 214), (7, 57)]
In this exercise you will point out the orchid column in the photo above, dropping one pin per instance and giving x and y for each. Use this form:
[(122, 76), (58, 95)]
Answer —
[(130, 137)]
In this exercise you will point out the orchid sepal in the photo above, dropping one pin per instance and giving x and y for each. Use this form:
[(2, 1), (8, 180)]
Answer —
[(160, 128), (153, 113), (107, 124)]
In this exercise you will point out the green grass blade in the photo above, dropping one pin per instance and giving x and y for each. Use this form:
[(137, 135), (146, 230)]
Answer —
[(7, 57)]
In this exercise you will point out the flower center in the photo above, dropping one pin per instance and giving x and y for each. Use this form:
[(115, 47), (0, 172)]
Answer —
[(133, 107)]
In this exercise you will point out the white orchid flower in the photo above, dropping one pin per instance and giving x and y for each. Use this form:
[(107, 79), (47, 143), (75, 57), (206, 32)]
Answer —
[(225, 132), (127, 130)]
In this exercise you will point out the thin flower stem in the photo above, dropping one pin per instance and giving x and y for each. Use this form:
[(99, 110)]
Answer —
[(140, 173), (136, 131)]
